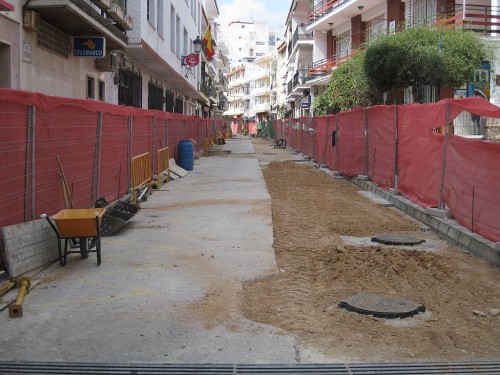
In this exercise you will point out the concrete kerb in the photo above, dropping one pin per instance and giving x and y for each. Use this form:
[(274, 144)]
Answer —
[(447, 228)]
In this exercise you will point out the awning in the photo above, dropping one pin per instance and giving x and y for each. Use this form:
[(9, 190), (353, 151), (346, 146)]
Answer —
[(5, 6)]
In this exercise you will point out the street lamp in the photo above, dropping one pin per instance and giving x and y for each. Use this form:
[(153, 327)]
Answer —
[(197, 43)]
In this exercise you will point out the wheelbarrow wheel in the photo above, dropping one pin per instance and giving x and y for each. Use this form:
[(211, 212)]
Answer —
[(84, 247)]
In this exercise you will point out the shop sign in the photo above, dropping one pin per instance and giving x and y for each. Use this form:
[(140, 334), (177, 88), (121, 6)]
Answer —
[(89, 47)]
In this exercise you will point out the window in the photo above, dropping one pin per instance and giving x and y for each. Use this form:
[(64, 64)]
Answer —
[(344, 44), (90, 87), (130, 88), (177, 35), (185, 41), (102, 91), (272, 39), (375, 27), (169, 102), (52, 39), (422, 11), (155, 96), (151, 12), (159, 23), (172, 28)]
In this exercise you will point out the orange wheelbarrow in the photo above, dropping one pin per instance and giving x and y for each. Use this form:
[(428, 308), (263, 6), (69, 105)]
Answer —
[(81, 226)]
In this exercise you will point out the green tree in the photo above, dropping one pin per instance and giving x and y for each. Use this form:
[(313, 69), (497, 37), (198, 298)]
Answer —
[(440, 56), (348, 88)]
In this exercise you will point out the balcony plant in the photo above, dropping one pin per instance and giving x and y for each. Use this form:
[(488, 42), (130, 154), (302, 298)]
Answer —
[(348, 88)]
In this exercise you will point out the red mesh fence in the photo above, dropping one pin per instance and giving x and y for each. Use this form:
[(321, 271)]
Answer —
[(322, 138), (115, 172), (472, 185), (351, 130), (92, 141), (420, 152), (94, 144), (381, 145), (15, 202)]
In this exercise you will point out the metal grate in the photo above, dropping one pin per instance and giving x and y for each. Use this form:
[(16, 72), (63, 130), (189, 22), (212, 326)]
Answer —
[(429, 368), (52, 39)]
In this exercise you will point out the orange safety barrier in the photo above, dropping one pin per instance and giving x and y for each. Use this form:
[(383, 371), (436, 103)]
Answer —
[(141, 173), (163, 164)]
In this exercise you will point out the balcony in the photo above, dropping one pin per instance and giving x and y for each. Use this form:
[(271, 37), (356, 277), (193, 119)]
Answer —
[(264, 90), (324, 8), (299, 35), (483, 19), (82, 18), (324, 67), (262, 107)]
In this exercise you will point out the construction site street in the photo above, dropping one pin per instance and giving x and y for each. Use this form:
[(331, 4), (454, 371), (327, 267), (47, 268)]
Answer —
[(169, 286)]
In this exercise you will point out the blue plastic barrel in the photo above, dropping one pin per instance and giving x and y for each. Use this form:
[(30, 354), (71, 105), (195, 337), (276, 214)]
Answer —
[(185, 153)]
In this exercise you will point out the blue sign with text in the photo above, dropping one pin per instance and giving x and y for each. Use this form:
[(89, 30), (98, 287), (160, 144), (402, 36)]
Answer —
[(89, 47)]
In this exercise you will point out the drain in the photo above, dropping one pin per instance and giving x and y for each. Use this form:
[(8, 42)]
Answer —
[(269, 153), (382, 306), (396, 239)]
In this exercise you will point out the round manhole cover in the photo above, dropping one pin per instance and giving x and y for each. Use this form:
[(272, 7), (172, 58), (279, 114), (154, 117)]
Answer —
[(382, 306), (397, 239)]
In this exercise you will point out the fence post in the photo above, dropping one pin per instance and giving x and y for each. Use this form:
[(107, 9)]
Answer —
[(166, 132), (129, 153), (29, 192), (365, 141), (99, 151), (337, 143), (153, 154), (396, 147), (443, 163)]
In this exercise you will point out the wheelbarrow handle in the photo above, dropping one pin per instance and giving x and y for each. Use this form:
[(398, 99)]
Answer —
[(44, 216)]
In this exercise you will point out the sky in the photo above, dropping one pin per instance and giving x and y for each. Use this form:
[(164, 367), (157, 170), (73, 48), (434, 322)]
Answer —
[(272, 11)]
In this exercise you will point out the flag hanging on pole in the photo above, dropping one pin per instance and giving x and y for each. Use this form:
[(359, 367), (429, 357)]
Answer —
[(208, 46)]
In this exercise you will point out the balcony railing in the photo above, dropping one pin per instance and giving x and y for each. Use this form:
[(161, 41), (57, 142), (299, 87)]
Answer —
[(325, 7), (325, 66), (298, 35), (483, 19)]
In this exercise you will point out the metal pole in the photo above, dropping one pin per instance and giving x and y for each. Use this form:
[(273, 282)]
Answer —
[(365, 141), (153, 155), (443, 164), (28, 164), (129, 153), (396, 147), (337, 143), (33, 159), (99, 152)]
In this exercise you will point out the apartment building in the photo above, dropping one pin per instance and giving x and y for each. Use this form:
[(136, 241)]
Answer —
[(278, 81), (247, 41), (123, 52), (235, 94), (321, 34)]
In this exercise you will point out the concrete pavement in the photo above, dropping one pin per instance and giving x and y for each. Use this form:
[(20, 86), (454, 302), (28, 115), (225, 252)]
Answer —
[(169, 288)]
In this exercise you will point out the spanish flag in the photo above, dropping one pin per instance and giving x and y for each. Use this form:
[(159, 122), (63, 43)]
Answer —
[(207, 44)]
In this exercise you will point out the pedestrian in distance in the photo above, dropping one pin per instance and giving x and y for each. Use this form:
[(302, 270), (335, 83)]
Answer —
[(476, 119)]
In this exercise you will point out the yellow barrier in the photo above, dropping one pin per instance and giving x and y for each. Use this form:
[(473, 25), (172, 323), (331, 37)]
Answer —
[(163, 164), (141, 173)]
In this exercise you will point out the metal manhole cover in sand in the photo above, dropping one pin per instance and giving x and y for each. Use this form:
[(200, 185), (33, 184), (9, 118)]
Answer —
[(396, 239), (382, 306)]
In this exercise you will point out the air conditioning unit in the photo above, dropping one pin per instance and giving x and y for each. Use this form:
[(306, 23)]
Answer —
[(30, 20), (109, 63)]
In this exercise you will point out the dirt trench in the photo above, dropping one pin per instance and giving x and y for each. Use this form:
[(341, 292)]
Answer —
[(318, 269)]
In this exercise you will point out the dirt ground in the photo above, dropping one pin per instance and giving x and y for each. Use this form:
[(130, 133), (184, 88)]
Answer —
[(311, 211)]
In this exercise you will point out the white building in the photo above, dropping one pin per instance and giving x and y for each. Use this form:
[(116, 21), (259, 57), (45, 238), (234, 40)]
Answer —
[(144, 42)]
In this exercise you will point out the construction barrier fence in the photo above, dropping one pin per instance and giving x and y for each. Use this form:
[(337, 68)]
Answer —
[(94, 141), (413, 149)]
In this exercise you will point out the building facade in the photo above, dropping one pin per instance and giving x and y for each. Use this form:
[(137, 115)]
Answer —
[(320, 35), (51, 46)]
